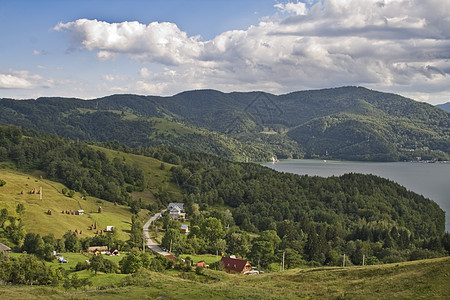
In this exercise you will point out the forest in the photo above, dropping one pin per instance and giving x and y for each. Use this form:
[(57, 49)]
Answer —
[(247, 209)]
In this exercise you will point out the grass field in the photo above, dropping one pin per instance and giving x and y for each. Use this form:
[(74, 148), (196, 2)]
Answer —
[(36, 218), (207, 258), (427, 279)]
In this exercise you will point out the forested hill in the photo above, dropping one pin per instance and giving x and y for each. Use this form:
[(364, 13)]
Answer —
[(311, 217), (343, 123)]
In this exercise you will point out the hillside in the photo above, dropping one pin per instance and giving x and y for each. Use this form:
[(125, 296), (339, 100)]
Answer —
[(426, 279), (77, 176), (341, 123), (37, 220)]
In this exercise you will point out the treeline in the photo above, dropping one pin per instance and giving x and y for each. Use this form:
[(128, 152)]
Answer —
[(75, 164)]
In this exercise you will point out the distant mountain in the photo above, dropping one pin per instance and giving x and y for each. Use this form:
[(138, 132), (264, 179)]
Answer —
[(341, 123), (445, 106)]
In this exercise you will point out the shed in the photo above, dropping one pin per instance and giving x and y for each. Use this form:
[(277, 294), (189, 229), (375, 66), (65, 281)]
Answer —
[(184, 228), (98, 249), (4, 248), (79, 212)]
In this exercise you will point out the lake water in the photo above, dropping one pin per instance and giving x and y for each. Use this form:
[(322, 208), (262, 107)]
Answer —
[(431, 180)]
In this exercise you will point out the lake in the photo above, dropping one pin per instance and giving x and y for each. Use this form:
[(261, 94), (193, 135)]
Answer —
[(431, 180)]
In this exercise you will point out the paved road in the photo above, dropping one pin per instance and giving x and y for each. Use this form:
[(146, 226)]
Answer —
[(152, 245)]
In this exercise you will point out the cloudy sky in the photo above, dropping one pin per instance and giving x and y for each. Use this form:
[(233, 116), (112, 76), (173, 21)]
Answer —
[(93, 48)]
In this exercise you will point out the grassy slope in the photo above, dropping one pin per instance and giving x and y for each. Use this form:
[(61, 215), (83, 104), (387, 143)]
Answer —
[(157, 180), (36, 218), (427, 279)]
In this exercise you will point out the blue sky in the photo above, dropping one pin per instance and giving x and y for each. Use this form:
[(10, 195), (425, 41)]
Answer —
[(94, 48)]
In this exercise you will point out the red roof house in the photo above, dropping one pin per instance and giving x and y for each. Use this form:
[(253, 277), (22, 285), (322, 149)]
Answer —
[(235, 265)]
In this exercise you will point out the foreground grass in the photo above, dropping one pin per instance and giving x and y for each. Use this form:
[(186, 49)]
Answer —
[(427, 279)]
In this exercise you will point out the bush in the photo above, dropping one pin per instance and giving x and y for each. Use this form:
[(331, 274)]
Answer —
[(2, 182), (216, 266), (199, 270), (81, 265)]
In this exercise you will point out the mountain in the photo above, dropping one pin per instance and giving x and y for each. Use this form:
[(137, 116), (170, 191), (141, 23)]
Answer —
[(340, 123), (444, 106)]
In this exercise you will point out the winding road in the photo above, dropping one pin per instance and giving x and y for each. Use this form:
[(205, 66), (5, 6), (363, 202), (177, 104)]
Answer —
[(151, 244)]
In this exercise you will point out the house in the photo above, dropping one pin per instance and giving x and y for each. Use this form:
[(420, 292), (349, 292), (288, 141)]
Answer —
[(176, 211), (79, 212), (4, 248), (114, 252), (109, 228), (184, 229), (98, 249), (171, 257), (235, 265)]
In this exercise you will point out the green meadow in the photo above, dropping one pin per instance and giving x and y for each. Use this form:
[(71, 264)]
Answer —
[(36, 218), (425, 279)]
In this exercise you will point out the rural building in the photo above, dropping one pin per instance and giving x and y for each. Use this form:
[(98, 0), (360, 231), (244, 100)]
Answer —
[(4, 248), (171, 257), (184, 229), (176, 211), (98, 249), (202, 264), (114, 252), (109, 228), (235, 265), (79, 212)]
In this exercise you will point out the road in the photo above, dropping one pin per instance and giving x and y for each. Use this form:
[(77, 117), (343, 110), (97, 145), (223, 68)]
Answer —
[(151, 244)]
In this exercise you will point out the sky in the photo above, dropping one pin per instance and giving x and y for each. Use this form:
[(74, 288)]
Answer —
[(94, 48)]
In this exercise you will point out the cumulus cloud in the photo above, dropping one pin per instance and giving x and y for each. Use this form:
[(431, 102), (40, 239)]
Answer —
[(298, 8), (21, 79), (325, 43)]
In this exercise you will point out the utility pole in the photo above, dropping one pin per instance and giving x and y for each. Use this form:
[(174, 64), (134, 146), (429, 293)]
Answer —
[(170, 246), (40, 193), (283, 259), (343, 261), (364, 257)]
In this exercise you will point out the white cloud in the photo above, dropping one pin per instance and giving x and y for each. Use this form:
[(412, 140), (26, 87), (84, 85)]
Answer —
[(329, 43), (112, 77), (21, 79), (298, 8)]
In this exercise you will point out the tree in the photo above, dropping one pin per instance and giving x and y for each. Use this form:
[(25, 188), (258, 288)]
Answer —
[(174, 240), (262, 253), (136, 233), (292, 258), (71, 242), (135, 261), (71, 193), (3, 217), (211, 230), (100, 264), (237, 244), (33, 244)]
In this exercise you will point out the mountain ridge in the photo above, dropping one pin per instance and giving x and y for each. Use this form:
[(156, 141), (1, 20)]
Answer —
[(251, 125)]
